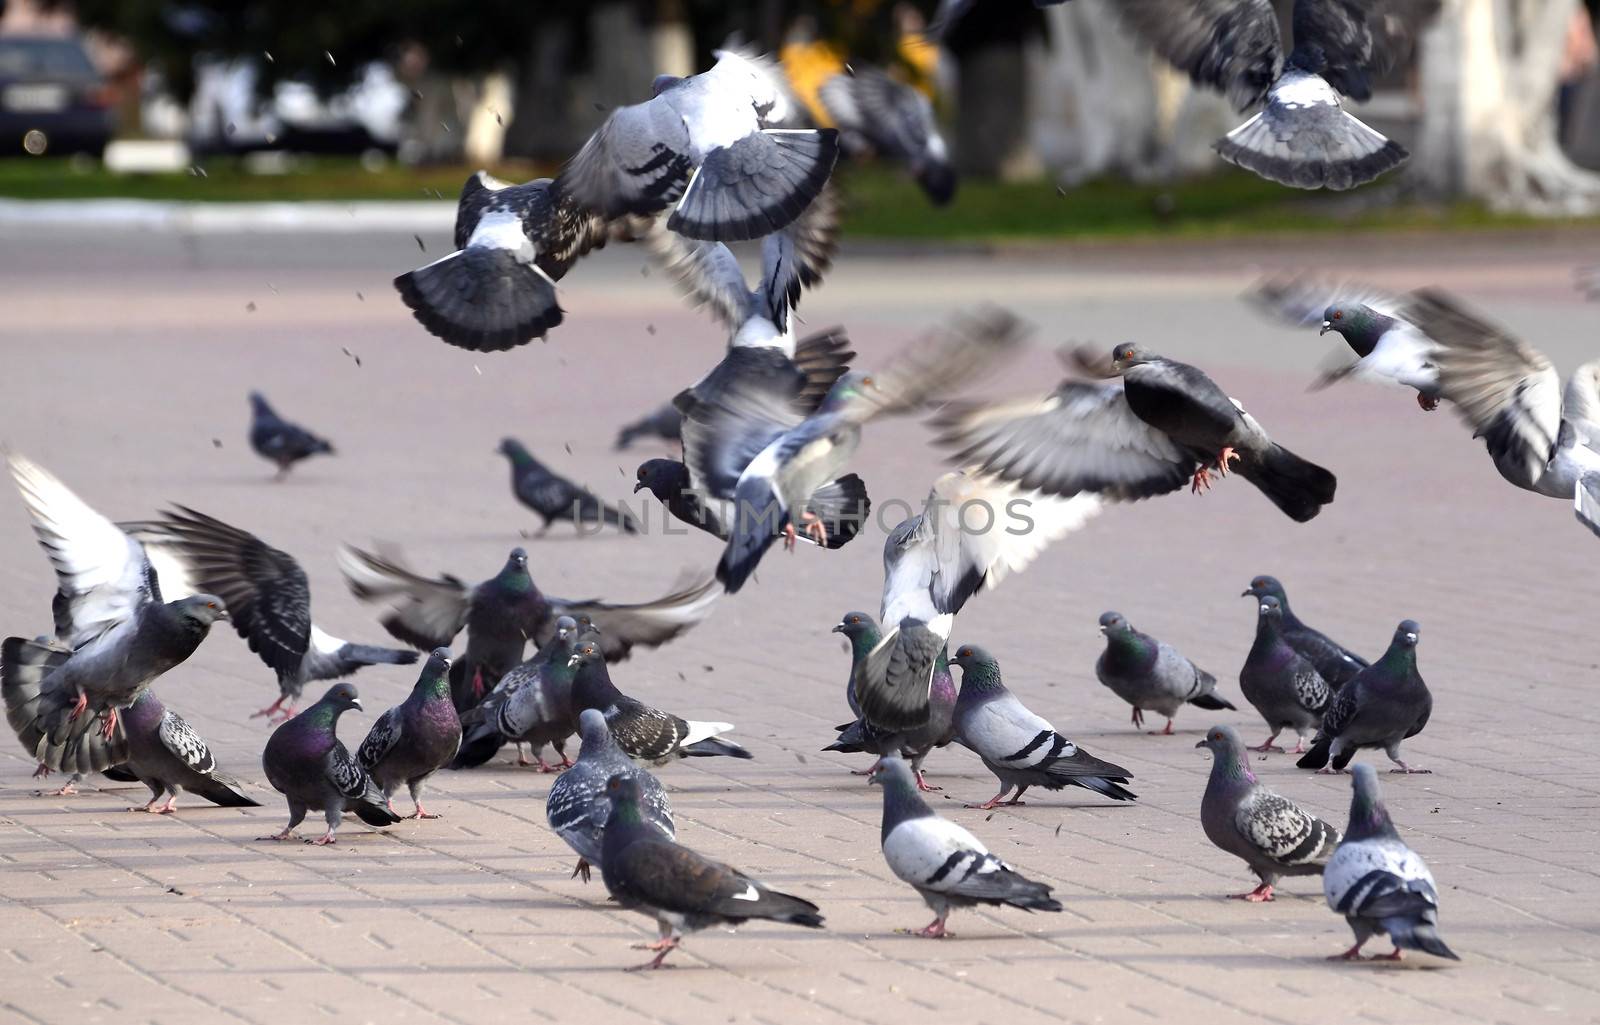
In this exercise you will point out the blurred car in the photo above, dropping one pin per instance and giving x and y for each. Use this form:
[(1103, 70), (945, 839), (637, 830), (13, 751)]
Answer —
[(51, 98)]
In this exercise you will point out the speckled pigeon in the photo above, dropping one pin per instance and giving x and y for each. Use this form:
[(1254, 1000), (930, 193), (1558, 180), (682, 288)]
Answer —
[(646, 734), (1147, 673), (280, 442), (532, 704), (305, 762), (554, 497), (165, 753), (577, 806), (1333, 661), (1272, 834), (1385, 704), (1280, 682), (663, 422), (416, 738), (682, 890), (919, 741)]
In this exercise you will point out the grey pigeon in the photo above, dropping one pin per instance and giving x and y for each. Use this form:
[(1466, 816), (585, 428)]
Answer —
[(703, 145), (1280, 682), (415, 739), (267, 597), (944, 863), (165, 753), (305, 762), (664, 422), (877, 114), (280, 442), (1333, 661), (532, 704), (1384, 705), (554, 497), (1020, 748), (577, 806), (1147, 673), (1272, 834), (647, 734), (25, 666), (682, 890), (1379, 884), (1165, 423), (1586, 503), (1302, 136), (919, 741)]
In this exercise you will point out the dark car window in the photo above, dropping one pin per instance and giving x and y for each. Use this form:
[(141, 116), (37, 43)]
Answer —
[(43, 58)]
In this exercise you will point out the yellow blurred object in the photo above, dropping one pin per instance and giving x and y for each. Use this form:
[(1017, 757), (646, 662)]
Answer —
[(921, 57), (807, 66)]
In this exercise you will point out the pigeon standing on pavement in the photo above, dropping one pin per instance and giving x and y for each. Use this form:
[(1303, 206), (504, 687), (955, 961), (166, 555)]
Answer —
[(646, 734), (915, 743), (577, 806), (1146, 673), (1379, 884), (1280, 682), (1272, 834), (305, 762), (554, 497), (1335, 663), (663, 422), (943, 862), (416, 738), (1020, 748), (682, 890), (165, 753), (1385, 704), (532, 704), (280, 442)]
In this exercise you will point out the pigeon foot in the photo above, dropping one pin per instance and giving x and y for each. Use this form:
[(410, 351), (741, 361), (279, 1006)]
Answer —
[(324, 840), (814, 528), (789, 537), (1299, 746), (581, 869), (1429, 403), (1223, 457), (272, 711), (1353, 954), (420, 813), (108, 725), (1393, 955), (934, 930), (42, 771), (1138, 716), (287, 834), (67, 789), (1163, 733), (666, 945), (1259, 895), (1328, 770), (1268, 747), (79, 707), (1411, 769), (922, 784), (1201, 481)]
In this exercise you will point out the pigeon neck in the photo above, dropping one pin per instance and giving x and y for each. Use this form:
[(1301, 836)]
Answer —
[(520, 457), (1269, 635), (592, 686), (514, 580), (1399, 660), (942, 691), (981, 678), (599, 746), (1127, 648), (1369, 819), (1231, 765), (146, 711), (322, 715), (861, 644), (1363, 329), (625, 812), (900, 802), (433, 685)]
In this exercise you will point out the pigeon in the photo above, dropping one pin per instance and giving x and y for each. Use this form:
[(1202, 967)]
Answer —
[(1146, 673), (280, 442), (1378, 883), (1335, 663), (1302, 137), (554, 497), (1021, 749), (532, 704), (165, 753), (1586, 503), (512, 244), (1280, 682), (861, 633), (917, 743), (577, 806), (644, 733), (267, 597), (502, 614), (27, 673), (1540, 438), (703, 146), (1386, 345), (776, 456), (305, 762), (945, 864), (109, 611), (1165, 423), (877, 114), (664, 422), (1386, 703), (1274, 836), (973, 531), (415, 739), (682, 890)]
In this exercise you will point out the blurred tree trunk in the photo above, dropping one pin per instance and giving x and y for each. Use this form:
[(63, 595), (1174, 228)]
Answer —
[(992, 127), (1098, 108)]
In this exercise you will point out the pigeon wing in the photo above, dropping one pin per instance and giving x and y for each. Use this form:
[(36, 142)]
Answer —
[(649, 624), (424, 612), (637, 162), (178, 737), (1230, 45), (1358, 40)]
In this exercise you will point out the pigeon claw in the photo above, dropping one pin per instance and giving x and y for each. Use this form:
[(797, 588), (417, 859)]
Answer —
[(272, 712), (1223, 459), (324, 840), (1411, 769), (42, 771), (1163, 733), (1429, 403), (1353, 954), (934, 930), (79, 707), (1328, 770), (1138, 716), (666, 946), (419, 813), (789, 537), (814, 528), (1259, 895), (287, 834), (581, 869), (108, 724), (922, 784)]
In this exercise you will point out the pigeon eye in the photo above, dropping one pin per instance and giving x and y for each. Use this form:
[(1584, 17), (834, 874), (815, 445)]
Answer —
[(1338, 314)]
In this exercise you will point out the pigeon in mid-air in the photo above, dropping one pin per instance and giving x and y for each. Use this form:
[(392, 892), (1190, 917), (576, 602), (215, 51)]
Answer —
[(280, 442), (1020, 748), (682, 890), (1280, 682), (1386, 703), (577, 806), (1163, 424), (165, 753), (1270, 833), (306, 763), (532, 704), (1147, 673), (939, 730), (1335, 663), (945, 864), (664, 422), (644, 733), (267, 596), (1302, 136), (1379, 885), (554, 497), (703, 146), (416, 738), (880, 115)]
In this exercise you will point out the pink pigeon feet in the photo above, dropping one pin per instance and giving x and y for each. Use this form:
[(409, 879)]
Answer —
[(1259, 895), (994, 802), (1163, 733), (1267, 745), (934, 930), (922, 784), (665, 946), (281, 710), (1328, 770), (789, 537), (1411, 769), (1353, 954), (420, 813), (108, 725), (287, 834), (814, 528), (1202, 473), (81, 706), (324, 840)]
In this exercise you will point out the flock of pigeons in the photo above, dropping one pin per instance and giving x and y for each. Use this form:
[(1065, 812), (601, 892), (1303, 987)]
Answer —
[(767, 435)]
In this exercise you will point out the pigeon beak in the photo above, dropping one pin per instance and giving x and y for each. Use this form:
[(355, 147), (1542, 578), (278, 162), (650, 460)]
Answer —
[(572, 662), (1327, 325), (838, 628), (1200, 743), (1412, 638), (356, 704), (1247, 594), (638, 487)]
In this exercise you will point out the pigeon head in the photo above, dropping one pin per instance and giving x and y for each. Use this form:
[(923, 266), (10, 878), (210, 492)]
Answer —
[(341, 697), (664, 477), (623, 791), (980, 670), (1269, 607), (592, 728), (1406, 634), (1368, 816), (1114, 624), (200, 609), (514, 450), (1228, 752), (1129, 355), (1262, 587), (853, 386), (938, 180), (584, 654), (1360, 324), (586, 627), (258, 403), (567, 628), (514, 574), (435, 678)]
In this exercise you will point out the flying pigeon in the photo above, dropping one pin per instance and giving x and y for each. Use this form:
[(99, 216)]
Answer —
[(267, 597), (1586, 503), (1335, 663), (1540, 438), (109, 612), (944, 863), (880, 115), (554, 497), (532, 704), (916, 743), (25, 667), (1378, 883), (1021, 749), (502, 614), (305, 762), (1386, 703), (415, 739), (1146, 673), (664, 422), (577, 806), (278, 441), (1272, 834), (1280, 682), (1302, 136), (644, 733), (682, 890), (1165, 423), (703, 146)]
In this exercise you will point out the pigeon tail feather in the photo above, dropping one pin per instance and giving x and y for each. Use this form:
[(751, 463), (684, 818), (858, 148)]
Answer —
[(1299, 487), (483, 299)]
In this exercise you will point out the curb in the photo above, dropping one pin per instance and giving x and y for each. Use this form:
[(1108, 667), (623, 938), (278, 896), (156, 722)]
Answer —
[(203, 218)]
